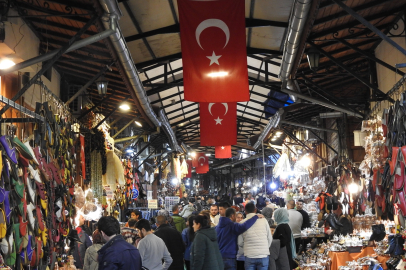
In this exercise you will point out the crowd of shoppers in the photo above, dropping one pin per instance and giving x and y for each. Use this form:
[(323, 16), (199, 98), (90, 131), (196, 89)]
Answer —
[(219, 236)]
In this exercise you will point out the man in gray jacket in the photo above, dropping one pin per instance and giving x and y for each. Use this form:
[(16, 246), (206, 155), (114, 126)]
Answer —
[(295, 223), (152, 248)]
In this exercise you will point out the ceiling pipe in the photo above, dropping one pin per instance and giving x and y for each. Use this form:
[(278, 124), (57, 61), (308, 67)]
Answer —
[(110, 30), (169, 132), (322, 103), (273, 122), (117, 39), (297, 22), (238, 162), (308, 126)]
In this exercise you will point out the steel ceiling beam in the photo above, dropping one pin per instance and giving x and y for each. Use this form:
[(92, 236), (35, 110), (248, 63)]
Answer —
[(174, 28), (176, 56), (366, 23), (341, 65), (339, 50), (73, 17), (109, 114), (165, 98), (123, 128), (352, 24), (51, 62), (87, 50), (59, 25), (137, 26), (290, 123), (322, 103), (341, 14)]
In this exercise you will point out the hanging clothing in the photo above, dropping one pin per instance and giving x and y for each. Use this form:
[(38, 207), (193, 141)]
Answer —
[(114, 170), (184, 169)]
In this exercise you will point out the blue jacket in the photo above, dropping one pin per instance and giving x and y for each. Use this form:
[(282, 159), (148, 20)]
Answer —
[(227, 235), (188, 243), (118, 254)]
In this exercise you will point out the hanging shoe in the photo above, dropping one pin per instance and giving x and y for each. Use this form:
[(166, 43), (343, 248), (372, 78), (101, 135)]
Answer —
[(392, 244), (399, 245), (394, 160), (9, 148), (332, 221), (337, 221), (31, 218), (30, 189)]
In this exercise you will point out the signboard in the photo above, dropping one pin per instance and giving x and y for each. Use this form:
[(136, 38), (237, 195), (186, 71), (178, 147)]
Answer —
[(135, 193), (149, 195), (153, 204), (109, 192)]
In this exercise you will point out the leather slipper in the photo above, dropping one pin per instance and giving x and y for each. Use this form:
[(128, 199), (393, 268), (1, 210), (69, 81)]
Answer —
[(9, 148), (3, 225)]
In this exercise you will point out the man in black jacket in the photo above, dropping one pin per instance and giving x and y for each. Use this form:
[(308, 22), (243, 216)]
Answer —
[(173, 241), (306, 218)]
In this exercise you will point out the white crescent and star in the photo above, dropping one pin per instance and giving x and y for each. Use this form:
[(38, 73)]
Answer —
[(214, 59), (212, 23), (218, 120), (224, 104), (222, 148), (204, 159)]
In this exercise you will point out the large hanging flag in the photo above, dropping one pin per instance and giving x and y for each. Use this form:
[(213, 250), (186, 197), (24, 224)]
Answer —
[(214, 53), (202, 163), (218, 124), (223, 151)]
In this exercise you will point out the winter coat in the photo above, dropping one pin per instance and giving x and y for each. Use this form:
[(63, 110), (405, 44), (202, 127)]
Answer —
[(205, 253), (187, 242), (257, 239), (91, 262), (80, 249), (278, 257), (284, 234), (227, 235), (261, 202), (187, 211), (179, 222), (174, 242), (118, 254)]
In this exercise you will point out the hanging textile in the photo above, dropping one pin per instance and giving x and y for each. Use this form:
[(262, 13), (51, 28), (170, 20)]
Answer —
[(184, 169), (96, 175), (114, 170)]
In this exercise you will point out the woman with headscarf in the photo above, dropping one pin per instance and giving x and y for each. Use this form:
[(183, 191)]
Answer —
[(91, 262), (284, 234), (267, 212)]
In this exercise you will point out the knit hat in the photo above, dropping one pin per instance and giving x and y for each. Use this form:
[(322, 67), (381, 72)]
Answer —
[(97, 237)]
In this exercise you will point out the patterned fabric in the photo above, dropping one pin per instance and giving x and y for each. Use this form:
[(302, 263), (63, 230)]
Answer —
[(130, 235)]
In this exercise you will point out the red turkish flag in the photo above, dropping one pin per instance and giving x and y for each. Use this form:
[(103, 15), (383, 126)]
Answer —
[(218, 124), (223, 151), (189, 168), (202, 163), (214, 53)]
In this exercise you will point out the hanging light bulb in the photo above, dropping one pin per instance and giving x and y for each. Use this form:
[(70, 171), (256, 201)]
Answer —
[(353, 188), (273, 185), (305, 161), (175, 181)]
